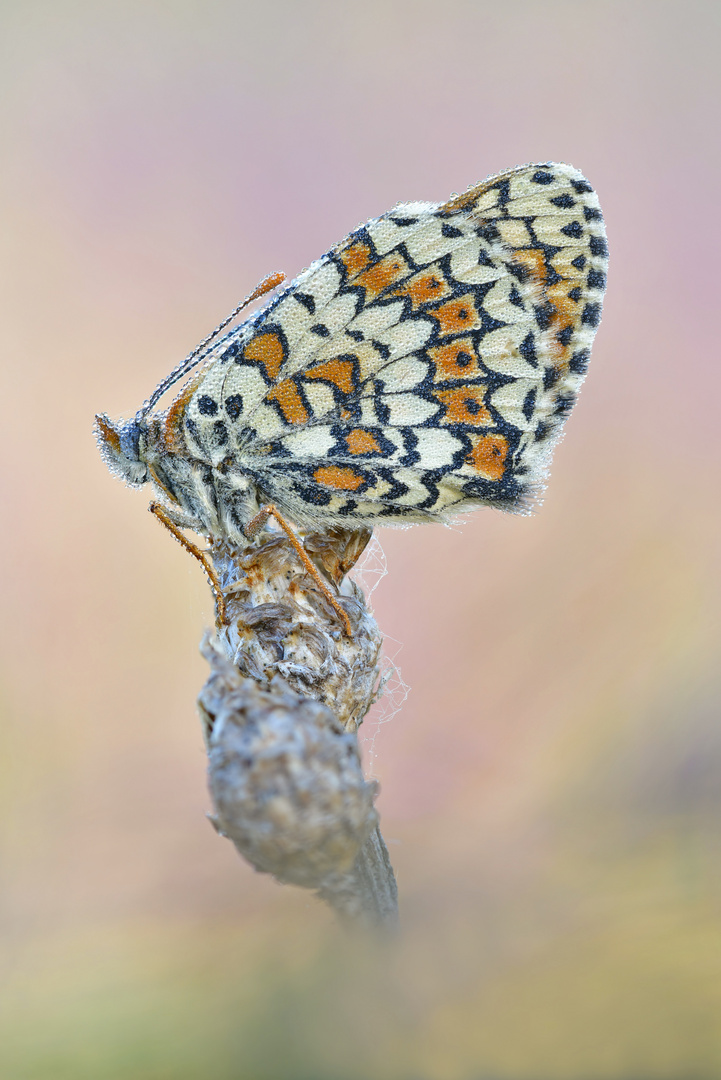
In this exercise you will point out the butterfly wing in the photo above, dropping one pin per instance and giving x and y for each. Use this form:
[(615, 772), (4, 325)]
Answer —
[(425, 365)]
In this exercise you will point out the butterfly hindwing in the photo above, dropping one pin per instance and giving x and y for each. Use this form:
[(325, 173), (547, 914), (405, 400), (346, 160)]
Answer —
[(424, 365)]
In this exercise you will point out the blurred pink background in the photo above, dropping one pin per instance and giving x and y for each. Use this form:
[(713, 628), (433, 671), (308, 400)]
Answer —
[(551, 789)]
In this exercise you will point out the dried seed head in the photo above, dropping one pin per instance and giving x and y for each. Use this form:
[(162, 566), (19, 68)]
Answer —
[(279, 623), (287, 691), (285, 777)]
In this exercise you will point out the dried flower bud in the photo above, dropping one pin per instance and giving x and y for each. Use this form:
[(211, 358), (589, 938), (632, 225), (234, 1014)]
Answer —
[(285, 777)]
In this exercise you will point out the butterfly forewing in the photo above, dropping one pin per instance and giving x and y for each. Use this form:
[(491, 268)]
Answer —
[(424, 365)]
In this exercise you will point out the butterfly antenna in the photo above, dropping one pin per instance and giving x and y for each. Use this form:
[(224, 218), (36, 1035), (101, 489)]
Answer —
[(198, 354)]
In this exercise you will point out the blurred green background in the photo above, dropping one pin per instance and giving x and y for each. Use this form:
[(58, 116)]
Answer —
[(551, 790)]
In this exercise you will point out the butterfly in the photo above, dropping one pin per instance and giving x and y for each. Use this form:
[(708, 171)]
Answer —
[(423, 367)]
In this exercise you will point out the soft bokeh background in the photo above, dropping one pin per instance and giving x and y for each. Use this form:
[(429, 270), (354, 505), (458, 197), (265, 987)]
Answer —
[(551, 790)]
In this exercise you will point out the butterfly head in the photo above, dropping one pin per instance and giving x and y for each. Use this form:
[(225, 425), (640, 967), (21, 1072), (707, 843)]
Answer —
[(120, 445)]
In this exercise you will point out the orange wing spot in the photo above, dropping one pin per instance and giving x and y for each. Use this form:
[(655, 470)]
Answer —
[(465, 405), (565, 315), (362, 442), (488, 456), (355, 258), (172, 430), (455, 316), (565, 308), (455, 361), (339, 478), (463, 201), (424, 288), (338, 372), (385, 272), (291, 403), (467, 198), (266, 349), (534, 262)]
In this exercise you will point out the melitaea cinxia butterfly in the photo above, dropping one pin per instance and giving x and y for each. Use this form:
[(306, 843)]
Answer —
[(422, 367)]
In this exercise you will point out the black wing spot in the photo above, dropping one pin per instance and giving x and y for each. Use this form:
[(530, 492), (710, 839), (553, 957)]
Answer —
[(451, 231), (598, 245), (564, 201), (207, 406), (565, 335), (220, 433), (591, 314), (320, 329), (596, 279), (518, 270), (579, 262), (574, 229), (504, 192), (575, 294), (527, 349), (484, 259), (488, 231), (580, 186), (193, 430), (544, 313), (550, 377), (515, 297), (564, 404), (404, 220), (279, 449), (306, 300), (234, 406), (542, 431), (529, 404), (579, 362), (357, 335), (543, 177), (592, 213), (315, 495)]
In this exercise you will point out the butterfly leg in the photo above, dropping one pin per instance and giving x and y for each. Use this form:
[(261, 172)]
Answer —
[(271, 511), (166, 519)]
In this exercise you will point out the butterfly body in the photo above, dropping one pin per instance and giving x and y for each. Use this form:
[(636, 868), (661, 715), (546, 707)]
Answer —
[(421, 368)]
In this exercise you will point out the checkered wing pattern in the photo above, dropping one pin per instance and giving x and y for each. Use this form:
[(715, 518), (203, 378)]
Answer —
[(423, 366)]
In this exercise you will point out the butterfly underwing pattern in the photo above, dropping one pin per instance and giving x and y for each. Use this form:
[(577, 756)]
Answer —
[(423, 367)]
